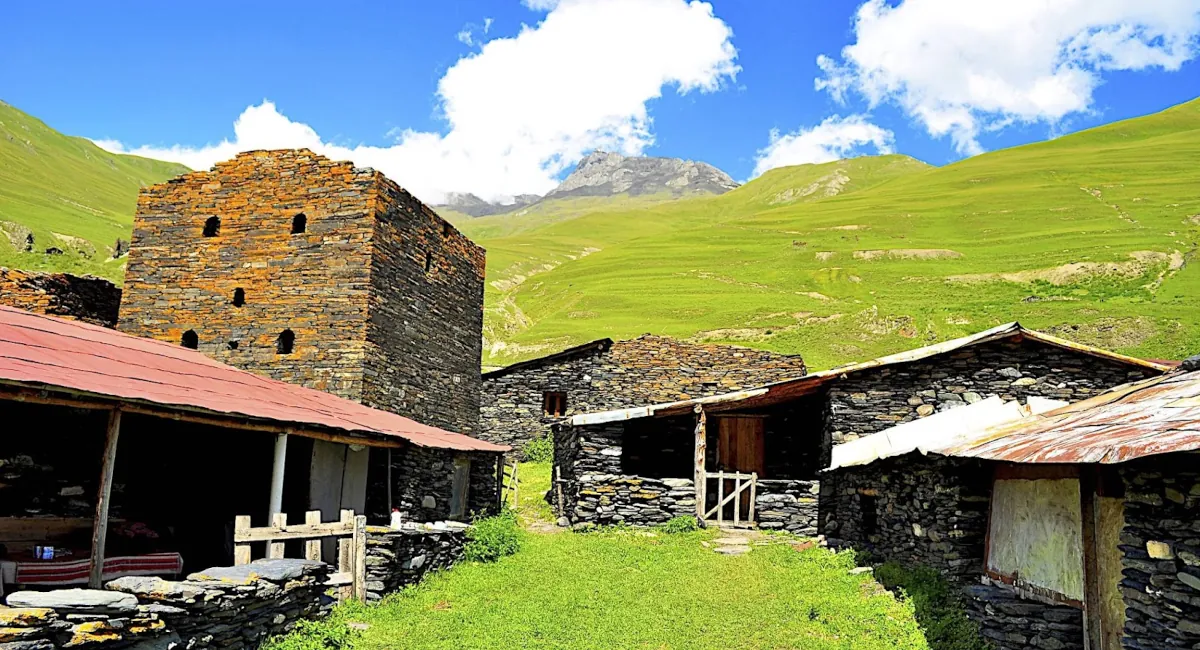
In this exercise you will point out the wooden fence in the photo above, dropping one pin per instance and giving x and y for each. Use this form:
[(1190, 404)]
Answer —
[(350, 531), (740, 485)]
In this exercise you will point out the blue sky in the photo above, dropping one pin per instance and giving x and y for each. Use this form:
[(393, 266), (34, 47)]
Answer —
[(425, 93)]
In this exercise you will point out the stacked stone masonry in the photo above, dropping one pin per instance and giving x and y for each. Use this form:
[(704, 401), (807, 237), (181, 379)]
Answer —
[(1160, 544), (399, 558), (225, 607), (597, 493), (646, 370), (870, 401), (788, 505), (383, 297), (84, 298), (424, 483), (1013, 623)]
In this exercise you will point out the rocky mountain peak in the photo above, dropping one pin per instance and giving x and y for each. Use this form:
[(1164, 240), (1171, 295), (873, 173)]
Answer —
[(603, 173)]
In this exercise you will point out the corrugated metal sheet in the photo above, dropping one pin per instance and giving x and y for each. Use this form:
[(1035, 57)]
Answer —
[(1154, 416), (783, 391), (937, 432), (43, 352)]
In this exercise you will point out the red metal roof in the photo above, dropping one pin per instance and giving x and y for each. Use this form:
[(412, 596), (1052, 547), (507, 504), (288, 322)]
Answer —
[(44, 352), (1153, 416)]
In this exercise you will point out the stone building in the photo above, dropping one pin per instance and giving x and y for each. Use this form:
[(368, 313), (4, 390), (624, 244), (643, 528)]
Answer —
[(646, 464), (322, 274), (1068, 529), (521, 401), (89, 299)]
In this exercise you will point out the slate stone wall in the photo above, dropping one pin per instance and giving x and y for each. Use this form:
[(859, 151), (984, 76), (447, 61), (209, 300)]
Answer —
[(1010, 622), (424, 478), (916, 510), (384, 298), (399, 558), (872, 400), (85, 298), (1161, 552), (597, 493), (225, 607), (645, 370), (788, 505)]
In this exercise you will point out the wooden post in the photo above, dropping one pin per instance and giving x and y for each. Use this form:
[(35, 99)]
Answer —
[(720, 496), (499, 482), (103, 497), (389, 483), (312, 547), (360, 558), (277, 469), (241, 552), (275, 549), (737, 499), (346, 552), (1093, 636), (753, 494), (562, 506), (699, 478)]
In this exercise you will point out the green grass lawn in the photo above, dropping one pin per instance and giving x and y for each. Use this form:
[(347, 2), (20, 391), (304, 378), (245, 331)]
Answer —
[(624, 588)]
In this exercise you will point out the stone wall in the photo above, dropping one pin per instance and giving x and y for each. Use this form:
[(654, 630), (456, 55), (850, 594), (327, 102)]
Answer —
[(646, 370), (398, 558), (872, 400), (596, 492), (1014, 623), (915, 510), (1161, 552), (85, 298), (788, 505), (384, 298), (226, 607), (424, 483)]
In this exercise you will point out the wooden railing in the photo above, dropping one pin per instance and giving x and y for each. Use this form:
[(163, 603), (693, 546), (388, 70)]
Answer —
[(742, 483), (350, 531)]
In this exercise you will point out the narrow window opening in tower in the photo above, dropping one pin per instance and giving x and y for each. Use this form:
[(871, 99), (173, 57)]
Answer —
[(212, 227), (299, 224), (428, 262), (285, 342), (233, 345), (239, 297), (447, 229), (190, 340)]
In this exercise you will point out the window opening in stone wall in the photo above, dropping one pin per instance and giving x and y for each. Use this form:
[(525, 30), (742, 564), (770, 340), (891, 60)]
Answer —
[(212, 227), (554, 404), (447, 229), (869, 504), (189, 340), (285, 342), (299, 224), (233, 345), (428, 262), (239, 297)]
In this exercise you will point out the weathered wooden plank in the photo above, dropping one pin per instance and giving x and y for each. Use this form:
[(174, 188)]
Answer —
[(275, 548), (360, 558), (295, 531), (103, 499), (241, 552), (312, 548)]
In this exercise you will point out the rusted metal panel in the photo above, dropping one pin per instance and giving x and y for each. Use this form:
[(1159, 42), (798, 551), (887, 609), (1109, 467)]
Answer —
[(41, 352), (1155, 416)]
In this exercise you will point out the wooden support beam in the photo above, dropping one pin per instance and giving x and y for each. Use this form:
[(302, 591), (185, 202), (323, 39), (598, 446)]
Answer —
[(699, 477), (312, 548), (1093, 635), (241, 552), (360, 558), (103, 498)]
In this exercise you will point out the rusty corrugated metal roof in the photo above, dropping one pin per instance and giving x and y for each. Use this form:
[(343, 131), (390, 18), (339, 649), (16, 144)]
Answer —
[(782, 391), (1154, 416), (42, 352)]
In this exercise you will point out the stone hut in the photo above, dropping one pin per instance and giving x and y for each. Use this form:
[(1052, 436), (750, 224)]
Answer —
[(521, 401), (333, 277), (647, 464), (77, 297), (1072, 528)]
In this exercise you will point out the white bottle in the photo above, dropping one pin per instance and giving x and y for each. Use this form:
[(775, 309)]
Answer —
[(397, 519)]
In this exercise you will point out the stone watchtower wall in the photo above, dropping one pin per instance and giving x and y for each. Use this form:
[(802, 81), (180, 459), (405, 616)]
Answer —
[(383, 297)]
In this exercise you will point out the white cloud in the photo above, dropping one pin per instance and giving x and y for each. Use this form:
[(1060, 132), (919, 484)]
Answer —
[(960, 68), (834, 138), (540, 5), (523, 109)]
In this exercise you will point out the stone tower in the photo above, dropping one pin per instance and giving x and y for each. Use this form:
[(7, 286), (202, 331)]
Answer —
[(316, 272)]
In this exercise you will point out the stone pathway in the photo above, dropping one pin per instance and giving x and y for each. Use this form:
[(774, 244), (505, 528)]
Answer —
[(736, 541)]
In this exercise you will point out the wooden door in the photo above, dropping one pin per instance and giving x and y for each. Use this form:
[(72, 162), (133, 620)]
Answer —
[(740, 448), (740, 444)]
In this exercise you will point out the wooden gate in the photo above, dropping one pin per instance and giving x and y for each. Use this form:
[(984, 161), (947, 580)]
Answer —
[(731, 487), (350, 581)]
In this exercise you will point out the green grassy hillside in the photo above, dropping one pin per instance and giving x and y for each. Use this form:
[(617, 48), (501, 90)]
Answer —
[(69, 194), (1089, 235)]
